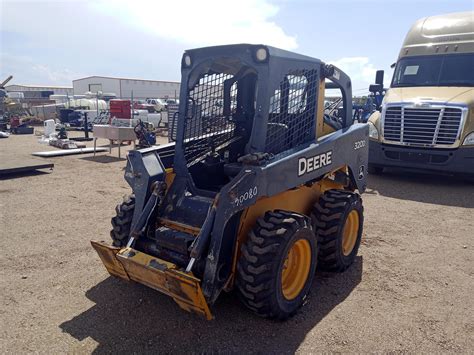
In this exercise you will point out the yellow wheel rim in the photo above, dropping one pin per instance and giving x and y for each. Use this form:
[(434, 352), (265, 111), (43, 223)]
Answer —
[(350, 232), (295, 269)]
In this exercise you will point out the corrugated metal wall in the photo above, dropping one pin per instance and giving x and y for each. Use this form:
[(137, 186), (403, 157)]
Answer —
[(123, 88), (143, 89), (26, 88)]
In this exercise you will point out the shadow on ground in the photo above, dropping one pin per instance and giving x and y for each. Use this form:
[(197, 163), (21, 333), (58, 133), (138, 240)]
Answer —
[(25, 174), (427, 188), (104, 159), (129, 317)]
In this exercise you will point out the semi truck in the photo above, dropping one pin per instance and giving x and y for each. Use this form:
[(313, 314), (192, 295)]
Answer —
[(426, 120)]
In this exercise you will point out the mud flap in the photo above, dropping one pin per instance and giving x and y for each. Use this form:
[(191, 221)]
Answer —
[(131, 264)]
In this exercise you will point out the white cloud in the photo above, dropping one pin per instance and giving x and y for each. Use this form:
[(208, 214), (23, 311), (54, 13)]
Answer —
[(360, 70), (56, 76), (124, 38), (203, 22), (26, 71)]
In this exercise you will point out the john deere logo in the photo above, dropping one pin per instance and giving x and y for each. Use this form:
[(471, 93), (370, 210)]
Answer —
[(307, 165)]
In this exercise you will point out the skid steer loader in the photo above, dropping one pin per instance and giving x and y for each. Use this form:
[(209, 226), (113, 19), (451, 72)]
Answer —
[(256, 191)]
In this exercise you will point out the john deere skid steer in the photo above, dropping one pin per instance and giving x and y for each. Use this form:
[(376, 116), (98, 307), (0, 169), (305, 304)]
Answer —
[(255, 192)]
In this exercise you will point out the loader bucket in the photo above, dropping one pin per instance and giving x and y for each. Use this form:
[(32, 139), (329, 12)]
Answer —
[(131, 264)]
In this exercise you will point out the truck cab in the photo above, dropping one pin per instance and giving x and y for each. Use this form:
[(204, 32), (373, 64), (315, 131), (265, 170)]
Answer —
[(426, 120)]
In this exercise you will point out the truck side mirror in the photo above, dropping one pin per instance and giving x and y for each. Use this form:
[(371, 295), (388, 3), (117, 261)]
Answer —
[(375, 88), (379, 77)]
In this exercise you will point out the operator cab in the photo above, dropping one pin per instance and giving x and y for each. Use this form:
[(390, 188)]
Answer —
[(220, 109), (246, 104)]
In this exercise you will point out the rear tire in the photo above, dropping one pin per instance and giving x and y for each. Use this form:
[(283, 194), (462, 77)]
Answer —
[(338, 219), (277, 264), (375, 169), (122, 222)]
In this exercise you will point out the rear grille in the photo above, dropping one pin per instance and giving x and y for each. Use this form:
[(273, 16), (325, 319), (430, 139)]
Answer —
[(422, 126)]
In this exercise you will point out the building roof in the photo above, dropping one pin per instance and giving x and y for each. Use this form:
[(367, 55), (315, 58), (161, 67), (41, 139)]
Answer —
[(40, 86), (119, 78)]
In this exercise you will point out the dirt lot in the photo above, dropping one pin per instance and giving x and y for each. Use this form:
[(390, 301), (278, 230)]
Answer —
[(410, 289)]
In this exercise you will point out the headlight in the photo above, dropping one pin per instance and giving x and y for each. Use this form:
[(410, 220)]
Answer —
[(373, 133), (187, 60), (261, 54), (469, 140)]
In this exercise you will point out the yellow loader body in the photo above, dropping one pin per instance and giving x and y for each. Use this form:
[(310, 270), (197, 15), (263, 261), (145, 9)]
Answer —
[(130, 264)]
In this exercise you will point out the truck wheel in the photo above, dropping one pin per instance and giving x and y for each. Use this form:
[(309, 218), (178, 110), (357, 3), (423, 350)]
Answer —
[(122, 222), (277, 264), (338, 219), (375, 169)]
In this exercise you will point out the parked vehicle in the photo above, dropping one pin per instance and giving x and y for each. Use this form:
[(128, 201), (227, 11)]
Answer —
[(426, 120), (158, 104), (143, 105)]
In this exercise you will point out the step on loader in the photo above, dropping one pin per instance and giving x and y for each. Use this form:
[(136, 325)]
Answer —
[(256, 190)]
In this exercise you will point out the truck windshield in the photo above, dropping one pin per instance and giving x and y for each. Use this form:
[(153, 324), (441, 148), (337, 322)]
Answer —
[(438, 70)]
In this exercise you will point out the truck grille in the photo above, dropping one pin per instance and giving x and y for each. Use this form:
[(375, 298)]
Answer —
[(422, 126)]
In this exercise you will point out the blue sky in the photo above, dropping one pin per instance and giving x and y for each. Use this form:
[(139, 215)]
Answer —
[(54, 42)]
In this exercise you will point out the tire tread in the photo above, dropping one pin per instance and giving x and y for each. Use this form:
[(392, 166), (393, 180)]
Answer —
[(255, 268), (328, 214), (121, 223)]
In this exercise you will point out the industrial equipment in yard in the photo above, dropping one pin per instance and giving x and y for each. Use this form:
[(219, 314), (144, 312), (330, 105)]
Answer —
[(7, 106), (256, 191), (121, 109)]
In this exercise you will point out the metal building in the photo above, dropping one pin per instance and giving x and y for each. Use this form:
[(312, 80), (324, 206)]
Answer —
[(57, 90), (125, 87)]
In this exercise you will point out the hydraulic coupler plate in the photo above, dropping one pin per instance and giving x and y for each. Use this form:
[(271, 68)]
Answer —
[(131, 264)]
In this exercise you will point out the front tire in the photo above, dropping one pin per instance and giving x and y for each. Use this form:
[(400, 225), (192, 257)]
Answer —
[(277, 264), (122, 222), (338, 219)]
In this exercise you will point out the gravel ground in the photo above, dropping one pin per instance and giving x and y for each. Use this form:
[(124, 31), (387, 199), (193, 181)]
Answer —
[(410, 289)]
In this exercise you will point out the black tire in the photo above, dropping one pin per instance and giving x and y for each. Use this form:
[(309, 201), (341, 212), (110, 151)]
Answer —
[(259, 270), (469, 179), (375, 169), (329, 217), (122, 222)]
